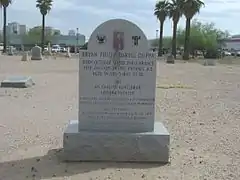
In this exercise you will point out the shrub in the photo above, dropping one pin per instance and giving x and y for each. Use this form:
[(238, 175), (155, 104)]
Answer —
[(211, 54)]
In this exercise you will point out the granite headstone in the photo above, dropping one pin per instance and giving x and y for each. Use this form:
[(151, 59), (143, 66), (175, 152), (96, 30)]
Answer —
[(24, 56), (36, 53), (170, 59), (117, 77), (68, 54), (10, 51)]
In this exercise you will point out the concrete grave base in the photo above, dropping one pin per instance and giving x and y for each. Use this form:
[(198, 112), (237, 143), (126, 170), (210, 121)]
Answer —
[(18, 82), (116, 146), (36, 58), (209, 62), (170, 59)]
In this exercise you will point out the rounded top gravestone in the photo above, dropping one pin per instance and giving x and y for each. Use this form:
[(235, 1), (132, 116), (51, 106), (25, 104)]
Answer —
[(36, 53), (117, 80), (109, 34), (117, 83)]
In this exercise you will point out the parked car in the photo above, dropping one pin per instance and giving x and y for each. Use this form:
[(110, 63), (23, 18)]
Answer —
[(226, 53), (63, 49), (56, 48), (13, 48), (73, 49), (45, 48), (233, 53)]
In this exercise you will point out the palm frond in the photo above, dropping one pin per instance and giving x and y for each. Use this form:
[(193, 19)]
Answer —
[(174, 8), (191, 7), (161, 10), (44, 6), (5, 3)]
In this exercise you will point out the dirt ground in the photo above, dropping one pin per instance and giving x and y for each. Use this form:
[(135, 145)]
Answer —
[(203, 118)]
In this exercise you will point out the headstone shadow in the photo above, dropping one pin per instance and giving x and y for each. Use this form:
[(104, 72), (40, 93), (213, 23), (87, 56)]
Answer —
[(52, 165)]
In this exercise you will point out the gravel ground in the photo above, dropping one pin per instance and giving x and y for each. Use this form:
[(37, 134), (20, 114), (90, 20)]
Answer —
[(204, 123)]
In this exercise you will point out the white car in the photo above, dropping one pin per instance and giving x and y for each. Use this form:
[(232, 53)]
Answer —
[(226, 53), (1, 46), (56, 48), (63, 49)]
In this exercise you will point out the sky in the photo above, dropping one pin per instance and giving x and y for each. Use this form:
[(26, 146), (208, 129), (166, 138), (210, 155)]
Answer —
[(88, 14)]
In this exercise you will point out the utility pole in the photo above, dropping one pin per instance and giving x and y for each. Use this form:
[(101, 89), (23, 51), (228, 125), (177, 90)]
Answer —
[(77, 40)]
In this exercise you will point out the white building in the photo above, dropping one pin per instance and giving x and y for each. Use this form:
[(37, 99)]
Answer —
[(49, 30), (16, 28), (22, 29), (72, 32), (13, 28), (232, 44)]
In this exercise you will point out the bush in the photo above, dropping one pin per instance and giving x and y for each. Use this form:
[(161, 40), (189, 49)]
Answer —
[(211, 54)]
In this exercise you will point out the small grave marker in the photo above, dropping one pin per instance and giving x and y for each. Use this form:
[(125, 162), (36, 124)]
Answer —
[(36, 53), (17, 82)]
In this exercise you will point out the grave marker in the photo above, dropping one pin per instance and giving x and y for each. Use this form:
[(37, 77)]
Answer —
[(117, 77), (36, 53), (10, 51), (17, 82)]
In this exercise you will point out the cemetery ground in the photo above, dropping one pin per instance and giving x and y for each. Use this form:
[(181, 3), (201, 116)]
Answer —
[(199, 105)]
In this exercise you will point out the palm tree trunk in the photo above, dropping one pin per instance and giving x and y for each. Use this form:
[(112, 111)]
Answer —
[(4, 29), (43, 33), (160, 45), (187, 39), (174, 39)]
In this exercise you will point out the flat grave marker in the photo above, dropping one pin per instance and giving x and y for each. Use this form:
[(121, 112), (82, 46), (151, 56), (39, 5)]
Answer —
[(17, 82)]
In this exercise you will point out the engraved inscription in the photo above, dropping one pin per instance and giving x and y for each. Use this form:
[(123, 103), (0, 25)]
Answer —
[(129, 97)]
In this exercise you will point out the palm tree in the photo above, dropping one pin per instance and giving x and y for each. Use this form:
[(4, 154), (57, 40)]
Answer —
[(5, 4), (175, 13), (161, 12), (189, 9), (44, 7)]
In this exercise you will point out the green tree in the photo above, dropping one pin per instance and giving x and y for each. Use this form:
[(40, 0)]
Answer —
[(167, 42), (85, 46), (189, 9), (57, 33), (203, 36), (44, 6), (175, 13), (34, 36), (5, 4), (197, 38), (161, 12)]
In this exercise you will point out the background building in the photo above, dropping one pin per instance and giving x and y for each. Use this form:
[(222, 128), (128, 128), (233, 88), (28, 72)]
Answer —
[(64, 40), (18, 35), (49, 30), (56, 32), (16, 28), (67, 40), (72, 32), (22, 29), (232, 43)]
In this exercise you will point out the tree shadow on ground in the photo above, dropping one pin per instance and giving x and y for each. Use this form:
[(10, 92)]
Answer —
[(52, 165)]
